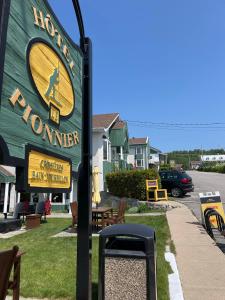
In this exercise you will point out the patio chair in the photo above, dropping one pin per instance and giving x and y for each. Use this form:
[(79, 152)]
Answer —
[(8, 259), (118, 216), (48, 207), (19, 210), (74, 211), (40, 209)]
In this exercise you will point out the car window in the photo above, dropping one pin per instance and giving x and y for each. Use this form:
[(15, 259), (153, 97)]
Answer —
[(163, 175), (175, 175), (170, 176)]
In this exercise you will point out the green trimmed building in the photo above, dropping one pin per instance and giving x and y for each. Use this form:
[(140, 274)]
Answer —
[(110, 145), (139, 153)]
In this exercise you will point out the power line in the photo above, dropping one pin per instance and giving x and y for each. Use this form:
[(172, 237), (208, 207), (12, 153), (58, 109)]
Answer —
[(174, 124), (178, 126)]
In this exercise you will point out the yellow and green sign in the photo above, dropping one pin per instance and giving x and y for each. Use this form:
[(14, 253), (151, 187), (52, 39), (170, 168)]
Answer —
[(211, 200), (41, 91)]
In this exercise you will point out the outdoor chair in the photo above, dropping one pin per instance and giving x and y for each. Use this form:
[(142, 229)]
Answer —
[(8, 259), (40, 209), (118, 216), (48, 207), (19, 210), (74, 211)]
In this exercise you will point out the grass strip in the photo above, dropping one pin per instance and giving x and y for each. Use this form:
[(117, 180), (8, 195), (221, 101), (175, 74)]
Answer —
[(49, 265)]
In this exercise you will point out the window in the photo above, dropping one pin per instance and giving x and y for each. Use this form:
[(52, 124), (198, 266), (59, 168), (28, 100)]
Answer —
[(139, 162), (138, 150), (57, 198), (113, 153), (163, 175), (171, 175), (105, 150)]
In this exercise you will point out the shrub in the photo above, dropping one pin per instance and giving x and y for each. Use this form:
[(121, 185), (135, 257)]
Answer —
[(165, 167), (133, 210), (131, 184), (142, 208), (212, 168)]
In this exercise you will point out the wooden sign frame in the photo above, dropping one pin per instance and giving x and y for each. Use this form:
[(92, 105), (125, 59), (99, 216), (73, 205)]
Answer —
[(22, 174)]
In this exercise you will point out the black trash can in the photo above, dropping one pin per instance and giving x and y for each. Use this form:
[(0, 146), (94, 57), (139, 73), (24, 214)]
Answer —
[(127, 263)]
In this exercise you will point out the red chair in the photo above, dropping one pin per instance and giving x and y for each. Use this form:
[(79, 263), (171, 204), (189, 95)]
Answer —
[(48, 207)]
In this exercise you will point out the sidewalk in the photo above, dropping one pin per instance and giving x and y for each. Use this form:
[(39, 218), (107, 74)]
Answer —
[(200, 262)]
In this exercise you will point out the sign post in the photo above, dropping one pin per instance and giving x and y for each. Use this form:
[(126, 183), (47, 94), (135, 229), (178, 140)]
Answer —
[(84, 290), (84, 229)]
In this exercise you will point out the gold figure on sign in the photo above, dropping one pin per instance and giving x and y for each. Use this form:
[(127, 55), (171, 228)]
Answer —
[(54, 80)]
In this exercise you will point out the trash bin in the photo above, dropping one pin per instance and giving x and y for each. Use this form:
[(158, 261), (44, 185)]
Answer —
[(127, 263)]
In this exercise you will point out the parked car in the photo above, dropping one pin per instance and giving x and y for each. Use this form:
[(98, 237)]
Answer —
[(178, 183)]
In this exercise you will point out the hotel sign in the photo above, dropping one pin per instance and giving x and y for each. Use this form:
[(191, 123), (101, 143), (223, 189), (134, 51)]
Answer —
[(40, 95)]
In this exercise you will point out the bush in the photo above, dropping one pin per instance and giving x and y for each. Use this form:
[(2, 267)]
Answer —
[(212, 168), (133, 210), (165, 167), (131, 184)]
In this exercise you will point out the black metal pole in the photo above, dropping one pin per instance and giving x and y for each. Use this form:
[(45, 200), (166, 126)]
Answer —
[(84, 291), (84, 245)]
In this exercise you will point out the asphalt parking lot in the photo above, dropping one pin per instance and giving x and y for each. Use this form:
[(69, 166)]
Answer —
[(203, 182)]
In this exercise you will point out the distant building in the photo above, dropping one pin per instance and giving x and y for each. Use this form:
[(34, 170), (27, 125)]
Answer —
[(172, 163), (110, 144), (195, 165), (213, 158), (138, 155), (156, 157)]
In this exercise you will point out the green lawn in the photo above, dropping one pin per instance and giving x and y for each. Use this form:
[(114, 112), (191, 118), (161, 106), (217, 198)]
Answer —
[(48, 267)]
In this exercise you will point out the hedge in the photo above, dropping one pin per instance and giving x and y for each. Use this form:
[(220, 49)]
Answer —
[(131, 184), (211, 168)]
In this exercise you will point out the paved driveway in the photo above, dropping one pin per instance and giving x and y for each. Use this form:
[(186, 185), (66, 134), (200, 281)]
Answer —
[(203, 182)]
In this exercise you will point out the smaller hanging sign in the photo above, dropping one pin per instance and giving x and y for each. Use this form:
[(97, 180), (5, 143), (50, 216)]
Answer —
[(211, 200), (45, 171)]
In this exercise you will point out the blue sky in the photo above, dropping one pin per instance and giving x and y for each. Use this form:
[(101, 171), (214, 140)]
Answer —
[(157, 61)]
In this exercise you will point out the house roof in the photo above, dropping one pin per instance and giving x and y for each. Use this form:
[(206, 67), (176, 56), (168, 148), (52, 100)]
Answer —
[(155, 149), (104, 121), (119, 125), (138, 141)]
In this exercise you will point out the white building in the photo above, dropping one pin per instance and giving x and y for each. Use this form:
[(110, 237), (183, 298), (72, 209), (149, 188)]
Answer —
[(110, 145), (101, 150), (156, 157), (213, 158), (138, 153), (9, 197)]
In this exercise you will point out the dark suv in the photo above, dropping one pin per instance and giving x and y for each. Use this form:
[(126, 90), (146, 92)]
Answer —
[(178, 183)]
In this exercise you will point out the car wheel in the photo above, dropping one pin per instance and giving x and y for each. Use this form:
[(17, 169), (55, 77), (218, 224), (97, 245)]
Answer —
[(176, 192)]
